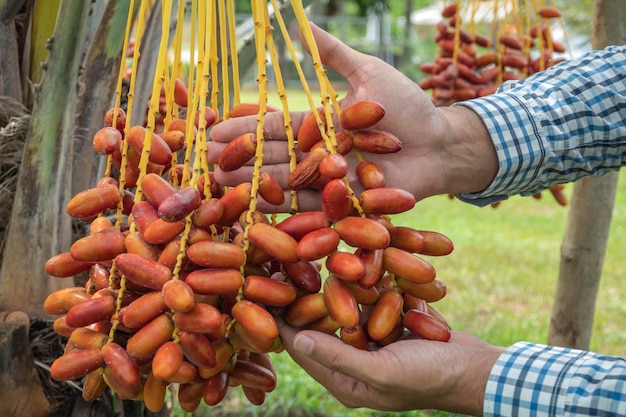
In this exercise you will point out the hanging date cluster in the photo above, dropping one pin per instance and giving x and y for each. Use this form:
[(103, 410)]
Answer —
[(471, 64), (186, 288)]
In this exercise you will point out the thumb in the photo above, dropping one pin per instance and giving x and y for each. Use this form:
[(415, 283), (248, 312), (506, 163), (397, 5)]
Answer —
[(334, 53), (332, 354)]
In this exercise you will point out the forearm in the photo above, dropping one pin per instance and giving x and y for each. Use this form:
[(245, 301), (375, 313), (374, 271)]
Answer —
[(473, 162), (557, 126)]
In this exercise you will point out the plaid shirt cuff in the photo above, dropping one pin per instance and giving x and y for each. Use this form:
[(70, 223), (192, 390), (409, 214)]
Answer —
[(538, 380)]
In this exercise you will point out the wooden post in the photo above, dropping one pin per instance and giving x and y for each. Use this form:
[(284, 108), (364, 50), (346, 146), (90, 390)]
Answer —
[(589, 221), (21, 391)]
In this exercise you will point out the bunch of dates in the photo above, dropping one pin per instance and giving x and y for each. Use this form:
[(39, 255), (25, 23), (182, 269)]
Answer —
[(470, 65), (187, 289)]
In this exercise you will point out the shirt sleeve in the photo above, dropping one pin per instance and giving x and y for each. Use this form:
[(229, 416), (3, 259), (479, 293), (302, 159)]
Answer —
[(556, 126), (538, 380)]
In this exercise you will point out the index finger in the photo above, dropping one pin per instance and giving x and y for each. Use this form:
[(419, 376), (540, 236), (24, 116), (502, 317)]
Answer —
[(273, 126)]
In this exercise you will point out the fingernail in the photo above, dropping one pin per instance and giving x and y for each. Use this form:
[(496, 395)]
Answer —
[(304, 344)]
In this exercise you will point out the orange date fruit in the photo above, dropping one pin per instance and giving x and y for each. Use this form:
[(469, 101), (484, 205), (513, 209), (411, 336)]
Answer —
[(340, 302), (363, 296), (76, 364), (160, 152), (346, 266), (361, 115), (167, 360), (270, 190), (335, 200), (93, 385), (215, 254), (64, 266), (60, 301), (214, 281), (334, 165), (187, 373), (156, 188), (408, 266), (255, 319), (197, 349), (136, 244), (549, 12), (161, 232), (120, 118), (514, 60), (318, 244), (124, 392), (143, 214), (147, 340), (202, 318), (106, 140), (178, 296), (426, 326), (175, 139), (407, 238), (363, 233), (254, 395), (376, 141), (215, 388), (143, 271), (122, 365), (386, 201), (61, 328), (304, 275), (306, 309), (343, 143), (449, 10), (435, 244), (326, 324), (234, 202), (224, 351), (207, 213), (307, 171), (91, 311), (274, 241), (302, 223), (268, 291), (385, 315), (511, 41), (355, 337), (86, 338), (373, 263), (93, 201), (102, 246), (310, 131), (179, 205), (249, 109), (143, 310), (180, 93), (154, 391), (430, 292), (243, 339), (253, 375), (190, 395), (237, 152), (370, 175)]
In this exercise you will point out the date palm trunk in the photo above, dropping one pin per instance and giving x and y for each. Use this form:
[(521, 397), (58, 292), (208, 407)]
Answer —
[(589, 221)]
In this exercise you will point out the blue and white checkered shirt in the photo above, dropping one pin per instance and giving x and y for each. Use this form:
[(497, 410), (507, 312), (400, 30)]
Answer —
[(538, 380), (556, 126)]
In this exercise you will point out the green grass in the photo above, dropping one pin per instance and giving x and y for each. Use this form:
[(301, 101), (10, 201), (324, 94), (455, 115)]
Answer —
[(501, 279)]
